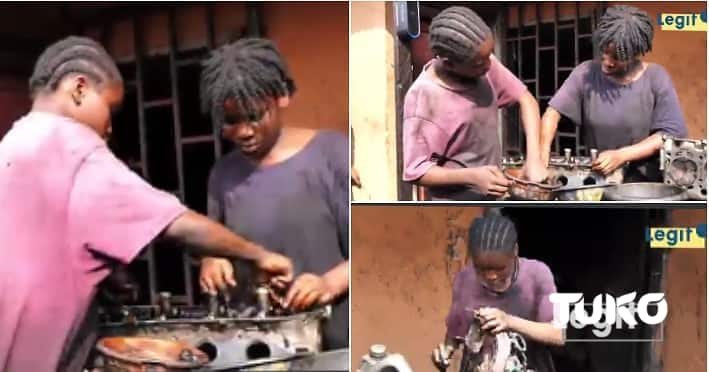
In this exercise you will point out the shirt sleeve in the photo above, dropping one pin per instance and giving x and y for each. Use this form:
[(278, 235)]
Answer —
[(114, 212), (667, 114), (545, 309), (421, 138), (508, 87), (568, 100), (339, 189), (215, 207), (457, 321)]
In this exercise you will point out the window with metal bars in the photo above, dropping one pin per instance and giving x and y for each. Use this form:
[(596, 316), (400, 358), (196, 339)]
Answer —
[(162, 135), (541, 43)]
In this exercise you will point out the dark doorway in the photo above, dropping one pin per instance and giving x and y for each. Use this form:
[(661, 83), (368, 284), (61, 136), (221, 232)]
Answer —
[(595, 251)]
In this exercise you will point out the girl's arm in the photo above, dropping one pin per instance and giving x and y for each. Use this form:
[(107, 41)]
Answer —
[(545, 333)]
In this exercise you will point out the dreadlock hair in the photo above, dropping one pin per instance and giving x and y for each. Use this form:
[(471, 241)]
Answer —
[(492, 233), (456, 33), (250, 71), (629, 28), (73, 54)]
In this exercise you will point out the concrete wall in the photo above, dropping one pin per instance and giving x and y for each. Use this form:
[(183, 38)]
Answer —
[(313, 37), (373, 109), (404, 260)]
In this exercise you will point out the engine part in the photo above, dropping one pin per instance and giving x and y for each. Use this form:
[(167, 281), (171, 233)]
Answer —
[(684, 164), (484, 352), (138, 354), (651, 191), (526, 190), (229, 342), (576, 174), (379, 360)]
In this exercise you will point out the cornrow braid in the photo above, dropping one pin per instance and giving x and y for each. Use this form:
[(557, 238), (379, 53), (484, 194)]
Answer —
[(628, 28), (492, 233), (250, 71), (72, 55), (456, 33)]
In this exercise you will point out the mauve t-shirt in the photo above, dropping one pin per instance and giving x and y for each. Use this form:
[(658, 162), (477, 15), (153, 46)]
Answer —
[(613, 115), (528, 298), (69, 208), (461, 120)]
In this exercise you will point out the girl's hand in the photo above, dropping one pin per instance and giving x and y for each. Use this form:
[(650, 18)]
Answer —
[(442, 356), (494, 320)]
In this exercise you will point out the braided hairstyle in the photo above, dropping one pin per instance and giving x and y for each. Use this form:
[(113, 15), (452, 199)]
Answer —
[(492, 233), (456, 33), (72, 55), (628, 28), (250, 71)]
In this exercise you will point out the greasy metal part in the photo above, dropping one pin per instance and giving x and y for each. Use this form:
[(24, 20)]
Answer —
[(138, 354), (484, 352), (526, 190), (650, 191), (213, 306), (335, 360), (379, 360), (235, 341), (165, 306), (577, 177), (684, 163), (263, 301)]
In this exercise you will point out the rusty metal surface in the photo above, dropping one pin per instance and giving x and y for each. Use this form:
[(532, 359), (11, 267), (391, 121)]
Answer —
[(149, 354), (230, 342)]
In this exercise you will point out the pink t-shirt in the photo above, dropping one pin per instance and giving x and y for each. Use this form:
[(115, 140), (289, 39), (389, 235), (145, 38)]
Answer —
[(69, 206), (463, 121)]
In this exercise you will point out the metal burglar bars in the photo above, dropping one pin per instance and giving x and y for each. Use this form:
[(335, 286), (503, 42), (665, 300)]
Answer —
[(177, 145), (542, 52)]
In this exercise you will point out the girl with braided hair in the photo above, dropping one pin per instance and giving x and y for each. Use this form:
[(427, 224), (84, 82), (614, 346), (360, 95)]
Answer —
[(284, 187), (72, 210), (503, 291), (623, 105), (451, 133)]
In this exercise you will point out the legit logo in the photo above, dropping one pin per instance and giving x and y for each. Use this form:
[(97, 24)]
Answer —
[(677, 237), (682, 21)]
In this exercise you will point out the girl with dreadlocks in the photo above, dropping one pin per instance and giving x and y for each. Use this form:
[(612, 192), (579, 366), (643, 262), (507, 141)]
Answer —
[(623, 105), (504, 291), (71, 209), (282, 186), (450, 136)]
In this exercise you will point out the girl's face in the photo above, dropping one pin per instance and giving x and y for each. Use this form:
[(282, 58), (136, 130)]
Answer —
[(495, 270), (611, 65), (254, 133)]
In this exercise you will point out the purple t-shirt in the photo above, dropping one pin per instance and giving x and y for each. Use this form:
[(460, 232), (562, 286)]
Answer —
[(298, 208), (612, 115), (528, 298), (69, 207), (466, 117)]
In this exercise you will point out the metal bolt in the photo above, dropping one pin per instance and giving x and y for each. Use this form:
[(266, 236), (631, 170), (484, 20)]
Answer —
[(164, 303), (263, 301), (213, 306)]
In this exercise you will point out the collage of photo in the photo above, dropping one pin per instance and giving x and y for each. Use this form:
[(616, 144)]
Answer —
[(369, 186)]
